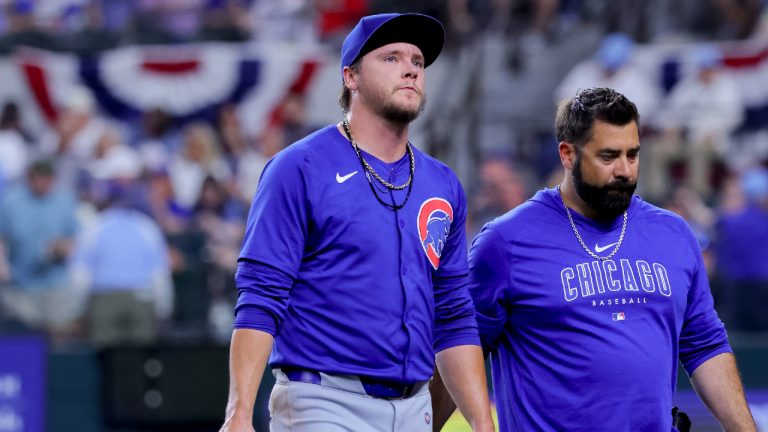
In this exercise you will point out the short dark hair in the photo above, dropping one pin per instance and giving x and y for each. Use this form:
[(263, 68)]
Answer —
[(42, 168), (576, 116), (345, 98), (9, 116)]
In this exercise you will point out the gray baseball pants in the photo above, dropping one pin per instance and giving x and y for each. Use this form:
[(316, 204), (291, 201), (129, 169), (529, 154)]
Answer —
[(340, 404)]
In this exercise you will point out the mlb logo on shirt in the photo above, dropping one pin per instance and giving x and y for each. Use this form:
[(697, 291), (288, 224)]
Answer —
[(618, 316)]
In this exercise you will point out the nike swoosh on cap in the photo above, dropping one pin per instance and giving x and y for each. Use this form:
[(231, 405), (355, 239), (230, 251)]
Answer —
[(342, 178), (599, 249)]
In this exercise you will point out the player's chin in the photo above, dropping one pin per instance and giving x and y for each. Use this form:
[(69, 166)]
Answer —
[(409, 102)]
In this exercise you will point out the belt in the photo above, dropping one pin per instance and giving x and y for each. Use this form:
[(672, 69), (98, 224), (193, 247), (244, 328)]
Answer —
[(373, 387)]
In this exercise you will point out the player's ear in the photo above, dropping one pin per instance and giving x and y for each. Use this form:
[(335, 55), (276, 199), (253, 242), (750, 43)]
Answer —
[(350, 78), (567, 154)]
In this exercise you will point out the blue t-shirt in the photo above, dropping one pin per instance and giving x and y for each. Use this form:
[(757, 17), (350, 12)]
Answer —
[(742, 245), (579, 344), (29, 224), (347, 285)]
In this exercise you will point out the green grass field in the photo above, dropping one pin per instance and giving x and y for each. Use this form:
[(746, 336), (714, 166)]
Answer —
[(457, 423)]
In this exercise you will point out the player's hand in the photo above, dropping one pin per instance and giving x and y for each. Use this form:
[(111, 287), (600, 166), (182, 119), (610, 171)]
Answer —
[(237, 427), (237, 424)]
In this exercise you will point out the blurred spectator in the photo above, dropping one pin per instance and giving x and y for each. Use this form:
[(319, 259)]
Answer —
[(23, 29), (116, 14), (612, 67), (13, 146), (224, 20), (155, 139), (199, 157), (530, 20), (292, 117), (699, 116), (738, 18), (634, 18), (160, 203), (166, 21), (742, 253), (254, 160), (527, 25), (689, 205), (710, 19), (87, 33), (501, 189), (37, 229), (233, 139), (113, 159), (284, 21), (60, 16), (462, 21), (122, 262), (222, 221), (75, 135)]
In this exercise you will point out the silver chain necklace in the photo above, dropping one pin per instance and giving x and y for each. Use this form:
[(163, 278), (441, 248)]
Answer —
[(369, 169), (578, 236)]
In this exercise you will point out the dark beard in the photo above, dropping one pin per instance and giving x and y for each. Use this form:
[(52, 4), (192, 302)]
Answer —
[(608, 201), (397, 114)]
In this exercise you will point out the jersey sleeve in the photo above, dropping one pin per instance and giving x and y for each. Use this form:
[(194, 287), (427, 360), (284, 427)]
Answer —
[(454, 312), (703, 335), (273, 245), (489, 281)]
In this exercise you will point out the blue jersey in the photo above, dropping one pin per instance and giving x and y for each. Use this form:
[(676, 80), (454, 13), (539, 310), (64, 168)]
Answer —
[(347, 285), (579, 344)]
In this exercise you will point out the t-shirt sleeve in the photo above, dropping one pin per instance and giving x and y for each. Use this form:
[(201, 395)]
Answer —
[(273, 244), (703, 335), (489, 282)]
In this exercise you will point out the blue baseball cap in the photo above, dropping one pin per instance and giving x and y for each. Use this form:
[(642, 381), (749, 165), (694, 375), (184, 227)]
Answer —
[(615, 50), (754, 183), (707, 56), (375, 31)]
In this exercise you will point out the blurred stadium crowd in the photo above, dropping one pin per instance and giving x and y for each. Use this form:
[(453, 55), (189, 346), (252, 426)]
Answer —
[(125, 229)]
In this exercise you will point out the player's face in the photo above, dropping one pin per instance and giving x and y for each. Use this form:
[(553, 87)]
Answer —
[(391, 82), (605, 170)]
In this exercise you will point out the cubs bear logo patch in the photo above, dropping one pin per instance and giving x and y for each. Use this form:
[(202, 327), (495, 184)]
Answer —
[(434, 224)]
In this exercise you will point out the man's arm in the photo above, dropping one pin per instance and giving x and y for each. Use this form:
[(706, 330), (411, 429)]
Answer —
[(718, 385), (461, 372), (248, 357), (443, 405)]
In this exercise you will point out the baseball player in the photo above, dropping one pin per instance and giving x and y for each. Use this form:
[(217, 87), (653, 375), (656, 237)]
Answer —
[(353, 269), (587, 296)]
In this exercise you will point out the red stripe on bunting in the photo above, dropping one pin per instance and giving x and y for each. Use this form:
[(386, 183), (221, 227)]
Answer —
[(746, 61), (304, 77), (171, 67), (35, 76), (298, 87)]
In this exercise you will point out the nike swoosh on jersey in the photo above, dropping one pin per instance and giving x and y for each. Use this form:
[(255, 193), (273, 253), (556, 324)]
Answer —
[(599, 249), (342, 178)]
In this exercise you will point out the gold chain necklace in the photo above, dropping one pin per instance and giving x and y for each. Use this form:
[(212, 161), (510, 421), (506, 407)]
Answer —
[(581, 242), (369, 169)]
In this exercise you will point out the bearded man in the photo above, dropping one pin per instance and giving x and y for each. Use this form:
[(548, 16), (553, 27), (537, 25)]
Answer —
[(587, 296)]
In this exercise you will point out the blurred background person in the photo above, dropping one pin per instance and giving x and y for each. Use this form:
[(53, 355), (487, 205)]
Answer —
[(612, 67), (199, 156), (75, 135), (742, 253), (696, 123), (37, 230), (501, 188), (121, 261), (13, 146)]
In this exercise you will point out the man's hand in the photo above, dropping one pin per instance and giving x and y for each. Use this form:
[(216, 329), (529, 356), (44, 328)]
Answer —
[(237, 423)]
